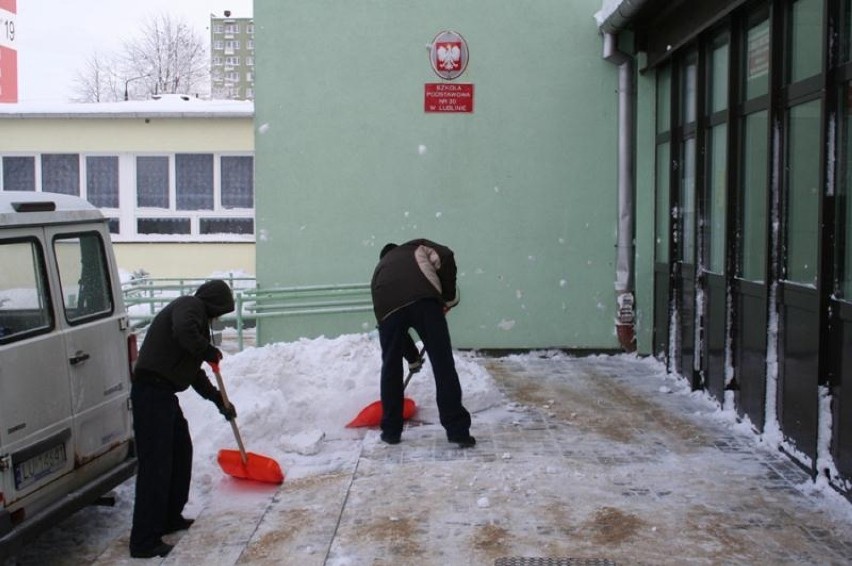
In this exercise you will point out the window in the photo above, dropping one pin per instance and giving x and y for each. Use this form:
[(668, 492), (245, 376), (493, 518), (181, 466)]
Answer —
[(719, 78), (164, 226), (716, 202), (152, 181), (237, 181), (807, 39), (146, 195), (687, 201), (803, 194), (662, 213), (60, 173), (19, 173), (716, 198), (226, 226), (757, 60), (194, 181), (753, 195), (102, 181), (83, 275), (688, 115), (24, 299)]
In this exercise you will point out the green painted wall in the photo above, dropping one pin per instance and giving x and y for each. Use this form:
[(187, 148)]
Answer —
[(523, 189)]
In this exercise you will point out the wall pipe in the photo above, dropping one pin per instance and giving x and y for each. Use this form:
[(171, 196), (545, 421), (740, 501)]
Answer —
[(625, 268)]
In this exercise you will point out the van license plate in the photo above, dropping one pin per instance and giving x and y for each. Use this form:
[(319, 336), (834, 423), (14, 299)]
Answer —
[(40, 466)]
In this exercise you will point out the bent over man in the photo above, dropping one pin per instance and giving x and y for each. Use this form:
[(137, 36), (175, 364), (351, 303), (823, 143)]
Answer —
[(414, 286)]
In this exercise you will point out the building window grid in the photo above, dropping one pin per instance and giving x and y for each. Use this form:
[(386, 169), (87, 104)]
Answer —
[(112, 179), (803, 82)]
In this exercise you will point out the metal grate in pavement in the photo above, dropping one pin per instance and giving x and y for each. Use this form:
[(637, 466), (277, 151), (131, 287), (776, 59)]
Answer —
[(533, 561)]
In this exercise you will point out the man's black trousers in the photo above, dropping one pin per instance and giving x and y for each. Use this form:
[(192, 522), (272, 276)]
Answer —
[(427, 318), (164, 452)]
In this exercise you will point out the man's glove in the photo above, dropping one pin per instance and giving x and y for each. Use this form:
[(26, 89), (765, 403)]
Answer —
[(416, 365), (212, 355), (227, 410)]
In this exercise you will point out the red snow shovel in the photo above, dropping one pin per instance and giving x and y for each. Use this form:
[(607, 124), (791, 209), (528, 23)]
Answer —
[(371, 415), (238, 463)]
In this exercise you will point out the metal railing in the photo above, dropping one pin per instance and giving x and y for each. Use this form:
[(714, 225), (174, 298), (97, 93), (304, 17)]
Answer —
[(145, 297)]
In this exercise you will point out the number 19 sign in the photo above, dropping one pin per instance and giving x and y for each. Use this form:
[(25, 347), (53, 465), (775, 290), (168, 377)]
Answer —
[(8, 54)]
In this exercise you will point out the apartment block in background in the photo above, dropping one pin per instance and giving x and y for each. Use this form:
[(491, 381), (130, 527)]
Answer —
[(231, 57)]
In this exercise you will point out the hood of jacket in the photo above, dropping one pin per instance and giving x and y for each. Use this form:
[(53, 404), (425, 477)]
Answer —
[(217, 298)]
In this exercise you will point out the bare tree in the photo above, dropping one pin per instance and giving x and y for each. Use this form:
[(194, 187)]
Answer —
[(167, 56), (96, 82)]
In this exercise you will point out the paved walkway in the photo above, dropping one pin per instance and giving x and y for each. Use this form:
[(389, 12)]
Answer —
[(591, 461)]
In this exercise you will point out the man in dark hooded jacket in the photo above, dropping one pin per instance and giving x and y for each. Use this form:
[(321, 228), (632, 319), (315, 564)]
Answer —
[(175, 346), (414, 286)]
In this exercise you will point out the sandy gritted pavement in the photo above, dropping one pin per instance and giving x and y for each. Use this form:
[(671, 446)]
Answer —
[(595, 460)]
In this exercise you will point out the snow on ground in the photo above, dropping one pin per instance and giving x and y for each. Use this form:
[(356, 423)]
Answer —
[(294, 400)]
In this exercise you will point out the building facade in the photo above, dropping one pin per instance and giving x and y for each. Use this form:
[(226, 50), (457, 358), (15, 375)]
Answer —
[(509, 167), (232, 57), (749, 153), (669, 176), (175, 176)]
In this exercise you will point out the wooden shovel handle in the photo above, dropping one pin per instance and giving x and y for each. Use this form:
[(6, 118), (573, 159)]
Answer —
[(233, 421)]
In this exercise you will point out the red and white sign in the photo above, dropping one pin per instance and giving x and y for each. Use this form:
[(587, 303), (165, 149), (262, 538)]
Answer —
[(8, 53), (448, 55), (448, 97)]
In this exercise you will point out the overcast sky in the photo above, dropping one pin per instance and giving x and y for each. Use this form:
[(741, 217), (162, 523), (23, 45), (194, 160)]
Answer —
[(55, 37)]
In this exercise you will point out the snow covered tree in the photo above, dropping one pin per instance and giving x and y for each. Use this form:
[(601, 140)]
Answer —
[(167, 56), (97, 81)]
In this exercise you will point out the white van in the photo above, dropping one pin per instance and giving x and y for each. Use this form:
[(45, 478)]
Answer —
[(66, 352)]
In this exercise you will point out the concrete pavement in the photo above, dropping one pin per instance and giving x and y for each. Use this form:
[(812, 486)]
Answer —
[(595, 460)]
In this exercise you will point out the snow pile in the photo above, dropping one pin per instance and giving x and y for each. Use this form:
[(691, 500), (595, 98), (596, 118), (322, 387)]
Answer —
[(294, 400)]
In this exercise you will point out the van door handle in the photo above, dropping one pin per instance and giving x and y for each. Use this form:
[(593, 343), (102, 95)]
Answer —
[(79, 356)]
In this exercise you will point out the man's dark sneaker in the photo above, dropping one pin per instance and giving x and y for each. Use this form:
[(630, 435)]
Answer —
[(161, 549), (466, 441), (181, 524), (389, 438)]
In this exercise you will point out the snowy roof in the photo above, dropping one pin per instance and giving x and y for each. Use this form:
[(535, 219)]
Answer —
[(163, 106)]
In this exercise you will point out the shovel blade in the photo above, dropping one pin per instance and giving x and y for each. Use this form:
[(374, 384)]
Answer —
[(371, 415), (256, 468)]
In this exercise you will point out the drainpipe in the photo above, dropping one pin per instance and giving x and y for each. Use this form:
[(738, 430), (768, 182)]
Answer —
[(624, 274)]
